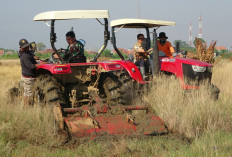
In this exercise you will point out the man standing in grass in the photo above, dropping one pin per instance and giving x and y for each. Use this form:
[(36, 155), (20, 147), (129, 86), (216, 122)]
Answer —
[(28, 65)]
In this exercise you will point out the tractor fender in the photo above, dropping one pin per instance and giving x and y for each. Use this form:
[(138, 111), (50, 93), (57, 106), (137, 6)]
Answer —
[(55, 68), (127, 65), (132, 70)]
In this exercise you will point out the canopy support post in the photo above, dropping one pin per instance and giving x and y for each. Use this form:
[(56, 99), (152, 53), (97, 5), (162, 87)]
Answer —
[(156, 61), (53, 39)]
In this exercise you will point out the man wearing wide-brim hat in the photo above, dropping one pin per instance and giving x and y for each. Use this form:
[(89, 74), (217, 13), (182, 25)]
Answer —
[(164, 45), (28, 65)]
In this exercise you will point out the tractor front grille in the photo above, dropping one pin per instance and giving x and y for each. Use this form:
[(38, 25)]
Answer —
[(193, 78)]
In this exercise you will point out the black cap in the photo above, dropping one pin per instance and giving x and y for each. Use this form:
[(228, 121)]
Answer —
[(23, 43), (162, 35)]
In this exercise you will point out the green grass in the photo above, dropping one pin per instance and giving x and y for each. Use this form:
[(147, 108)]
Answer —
[(9, 56), (210, 144), (43, 56)]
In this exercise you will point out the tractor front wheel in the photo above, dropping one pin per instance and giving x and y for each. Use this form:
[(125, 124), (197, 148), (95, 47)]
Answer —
[(215, 91), (110, 89), (127, 88)]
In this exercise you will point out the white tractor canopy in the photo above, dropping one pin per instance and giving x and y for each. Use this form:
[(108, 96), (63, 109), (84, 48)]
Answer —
[(140, 23), (71, 14)]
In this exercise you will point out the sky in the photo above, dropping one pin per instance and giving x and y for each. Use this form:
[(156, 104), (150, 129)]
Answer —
[(16, 18)]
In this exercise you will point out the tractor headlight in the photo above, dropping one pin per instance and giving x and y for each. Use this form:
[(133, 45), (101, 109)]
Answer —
[(200, 69)]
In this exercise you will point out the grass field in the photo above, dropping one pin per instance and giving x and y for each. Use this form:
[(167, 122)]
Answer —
[(200, 126)]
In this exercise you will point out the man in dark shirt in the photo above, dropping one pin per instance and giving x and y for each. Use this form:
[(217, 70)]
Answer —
[(28, 65)]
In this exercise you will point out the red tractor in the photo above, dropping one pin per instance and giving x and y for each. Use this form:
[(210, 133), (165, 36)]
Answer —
[(189, 72), (89, 98)]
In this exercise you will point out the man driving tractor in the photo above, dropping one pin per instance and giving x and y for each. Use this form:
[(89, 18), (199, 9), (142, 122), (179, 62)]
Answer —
[(75, 51), (164, 45), (141, 55)]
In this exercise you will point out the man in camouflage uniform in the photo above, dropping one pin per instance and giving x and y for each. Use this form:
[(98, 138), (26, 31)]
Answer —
[(75, 51), (140, 55)]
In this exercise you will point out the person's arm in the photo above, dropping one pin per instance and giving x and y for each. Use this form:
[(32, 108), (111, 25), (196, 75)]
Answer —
[(37, 65), (141, 51), (55, 56), (74, 49), (36, 58), (147, 52), (137, 49), (30, 64), (171, 48), (26, 60), (62, 54)]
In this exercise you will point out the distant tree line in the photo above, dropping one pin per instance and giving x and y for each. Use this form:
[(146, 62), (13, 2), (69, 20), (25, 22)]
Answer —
[(106, 53), (184, 46)]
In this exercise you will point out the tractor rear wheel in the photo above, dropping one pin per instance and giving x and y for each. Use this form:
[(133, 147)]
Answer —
[(110, 89), (48, 92), (127, 88)]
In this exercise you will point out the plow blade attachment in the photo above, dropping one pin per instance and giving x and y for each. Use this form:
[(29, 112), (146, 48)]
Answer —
[(115, 125)]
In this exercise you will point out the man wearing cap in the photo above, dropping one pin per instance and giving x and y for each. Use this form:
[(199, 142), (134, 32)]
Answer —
[(28, 65), (164, 45)]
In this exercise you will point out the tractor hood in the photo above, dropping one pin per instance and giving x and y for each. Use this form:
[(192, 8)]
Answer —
[(185, 61)]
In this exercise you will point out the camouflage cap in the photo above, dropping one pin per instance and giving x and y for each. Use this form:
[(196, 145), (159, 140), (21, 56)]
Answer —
[(23, 43)]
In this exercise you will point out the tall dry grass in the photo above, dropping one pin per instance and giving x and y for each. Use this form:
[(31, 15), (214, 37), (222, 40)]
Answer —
[(30, 131), (33, 125), (190, 113), (204, 53), (194, 113)]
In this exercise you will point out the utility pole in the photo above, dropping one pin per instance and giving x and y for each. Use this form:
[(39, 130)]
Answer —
[(190, 35), (139, 10), (200, 27), (138, 13)]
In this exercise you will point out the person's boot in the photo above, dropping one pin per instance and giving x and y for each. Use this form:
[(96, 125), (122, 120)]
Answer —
[(142, 71), (151, 66)]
